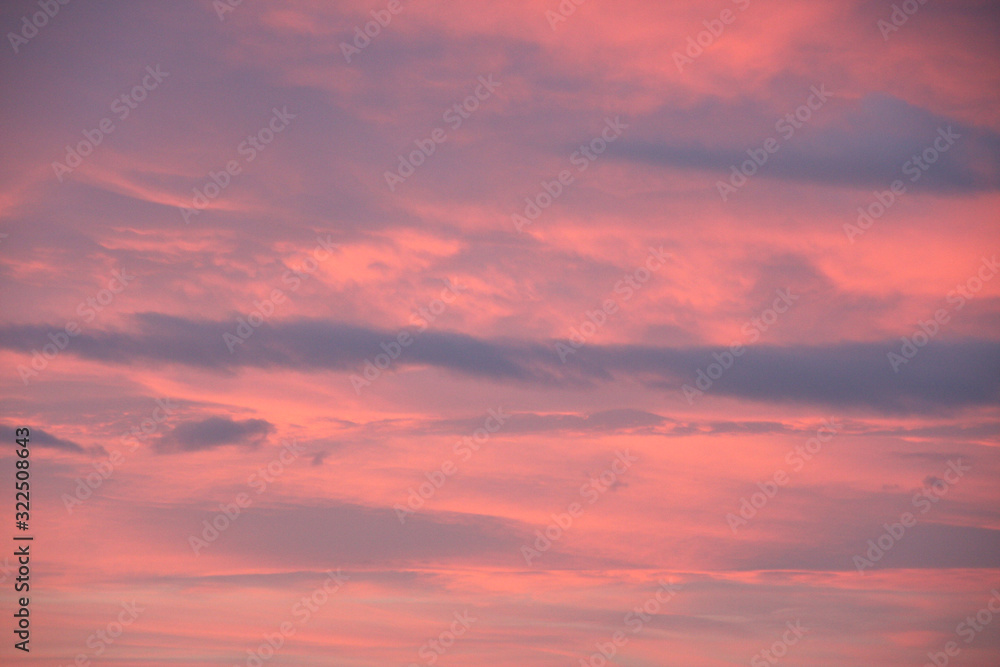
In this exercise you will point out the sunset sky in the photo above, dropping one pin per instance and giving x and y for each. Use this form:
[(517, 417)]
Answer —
[(376, 333)]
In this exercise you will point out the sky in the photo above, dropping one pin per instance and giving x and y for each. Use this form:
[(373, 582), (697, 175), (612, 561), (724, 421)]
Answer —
[(536, 333)]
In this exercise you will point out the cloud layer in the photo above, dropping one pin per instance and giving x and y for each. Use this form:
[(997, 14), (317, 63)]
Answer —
[(247, 362)]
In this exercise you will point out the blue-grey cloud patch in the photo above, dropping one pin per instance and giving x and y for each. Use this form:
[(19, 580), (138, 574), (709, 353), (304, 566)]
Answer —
[(39, 438), (857, 375), (944, 376), (214, 432), (866, 143), (925, 545)]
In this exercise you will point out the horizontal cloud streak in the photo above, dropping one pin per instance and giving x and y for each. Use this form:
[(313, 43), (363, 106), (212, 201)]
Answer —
[(865, 143), (945, 375), (215, 432)]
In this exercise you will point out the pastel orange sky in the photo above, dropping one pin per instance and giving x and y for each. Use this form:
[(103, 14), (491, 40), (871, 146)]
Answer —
[(536, 333)]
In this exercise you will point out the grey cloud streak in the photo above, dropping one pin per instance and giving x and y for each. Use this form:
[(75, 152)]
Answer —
[(854, 375)]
